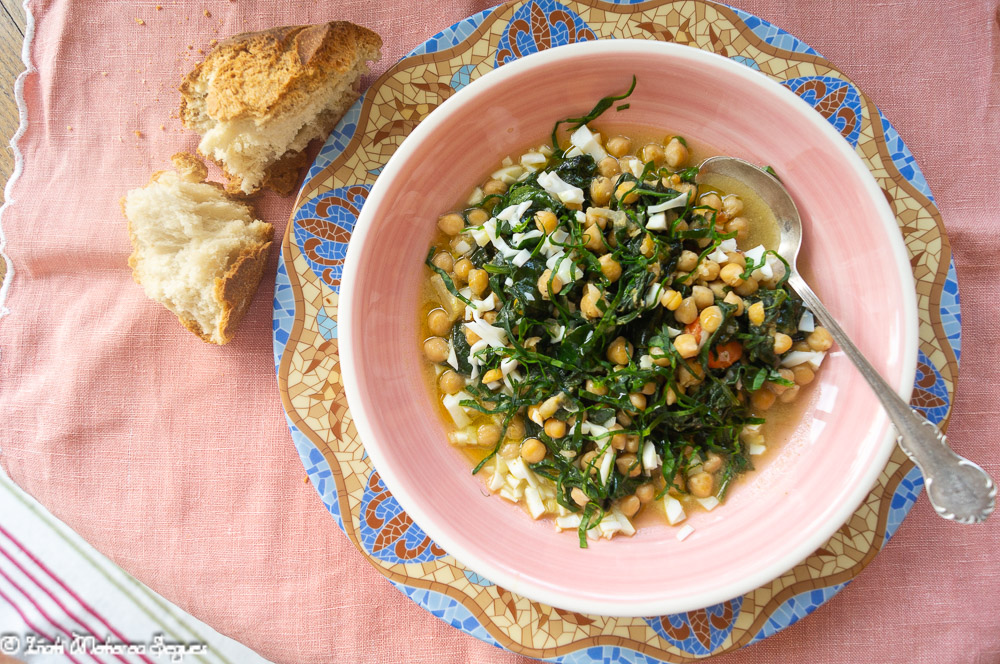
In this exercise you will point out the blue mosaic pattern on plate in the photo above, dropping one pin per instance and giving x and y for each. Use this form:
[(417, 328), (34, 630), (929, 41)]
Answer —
[(903, 159), (452, 611), (380, 511), (936, 396), (451, 36), (951, 312), (744, 60), (337, 142), (847, 118), (322, 228), (447, 609), (773, 35), (327, 326), (681, 623), (462, 77), (517, 43), (902, 501), (795, 609), (476, 579)]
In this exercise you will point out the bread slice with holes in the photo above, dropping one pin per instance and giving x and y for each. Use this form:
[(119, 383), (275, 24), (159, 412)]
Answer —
[(259, 98), (195, 250)]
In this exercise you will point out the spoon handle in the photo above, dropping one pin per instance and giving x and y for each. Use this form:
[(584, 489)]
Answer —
[(958, 488)]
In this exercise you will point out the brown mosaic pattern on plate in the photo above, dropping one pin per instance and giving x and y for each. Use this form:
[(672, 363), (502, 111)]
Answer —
[(309, 372)]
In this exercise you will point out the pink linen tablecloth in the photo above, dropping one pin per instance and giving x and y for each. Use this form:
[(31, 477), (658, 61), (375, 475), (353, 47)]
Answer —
[(172, 456)]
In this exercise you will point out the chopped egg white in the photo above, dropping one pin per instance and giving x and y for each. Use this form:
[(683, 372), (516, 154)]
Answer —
[(814, 358), (674, 510), (562, 190), (684, 532), (670, 204), (657, 222), (808, 322), (588, 143)]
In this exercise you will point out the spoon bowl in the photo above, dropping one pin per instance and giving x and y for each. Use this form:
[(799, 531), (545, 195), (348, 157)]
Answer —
[(959, 489)]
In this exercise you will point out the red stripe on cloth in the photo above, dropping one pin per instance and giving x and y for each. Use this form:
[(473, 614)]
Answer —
[(55, 599), (31, 626), (89, 609)]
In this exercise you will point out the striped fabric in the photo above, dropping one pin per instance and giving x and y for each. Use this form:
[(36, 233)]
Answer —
[(54, 586)]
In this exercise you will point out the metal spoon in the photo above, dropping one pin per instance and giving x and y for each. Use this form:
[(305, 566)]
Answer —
[(958, 488)]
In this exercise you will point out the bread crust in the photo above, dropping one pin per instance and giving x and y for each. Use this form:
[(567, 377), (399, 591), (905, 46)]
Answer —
[(261, 75), (234, 291)]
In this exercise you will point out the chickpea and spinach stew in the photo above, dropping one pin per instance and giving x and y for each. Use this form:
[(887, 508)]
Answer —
[(598, 334)]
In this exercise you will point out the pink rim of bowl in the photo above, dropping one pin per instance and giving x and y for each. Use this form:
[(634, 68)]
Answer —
[(802, 492)]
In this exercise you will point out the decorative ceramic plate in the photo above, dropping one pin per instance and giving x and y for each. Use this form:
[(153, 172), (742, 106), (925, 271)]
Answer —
[(305, 328)]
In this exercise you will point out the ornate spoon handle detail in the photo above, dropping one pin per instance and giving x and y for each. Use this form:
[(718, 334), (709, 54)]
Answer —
[(958, 488)]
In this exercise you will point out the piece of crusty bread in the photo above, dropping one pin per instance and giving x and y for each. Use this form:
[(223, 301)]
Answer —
[(259, 98), (195, 250)]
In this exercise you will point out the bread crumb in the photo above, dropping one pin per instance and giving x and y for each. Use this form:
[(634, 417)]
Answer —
[(305, 480), (190, 47), (140, 21), (163, 127), (208, 14), (69, 127), (104, 73), (213, 42), (138, 134), (159, 7), (200, 51)]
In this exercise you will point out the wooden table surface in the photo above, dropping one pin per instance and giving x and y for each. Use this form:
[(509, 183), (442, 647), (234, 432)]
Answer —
[(11, 36)]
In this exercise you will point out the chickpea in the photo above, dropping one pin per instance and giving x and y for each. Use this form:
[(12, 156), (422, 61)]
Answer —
[(675, 153), (686, 345), (762, 399), (451, 223), (671, 299), (732, 205), (789, 395), (711, 200), (748, 287), (628, 465), (555, 428), (736, 258), (708, 270), (638, 400), (492, 376), (549, 407), (687, 261), (712, 463), (740, 226), (619, 146), (652, 153), (600, 190), (592, 239), (494, 187), (645, 493), (782, 342), (710, 318), (671, 396), (610, 268), (487, 435), (733, 298), (778, 388), (690, 374), (629, 505), (632, 443), (731, 274), (701, 484), (619, 351), (450, 382), (649, 388), (599, 390), (687, 313), (624, 192), (608, 167), (801, 346), (438, 322), (533, 450), (546, 221), (618, 439), (543, 284), (477, 216), (470, 336), (803, 374), (462, 268), (479, 281), (436, 349), (660, 357), (623, 418), (444, 261), (588, 303), (509, 451), (703, 296), (648, 246), (579, 497), (515, 428), (490, 317), (820, 339)]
